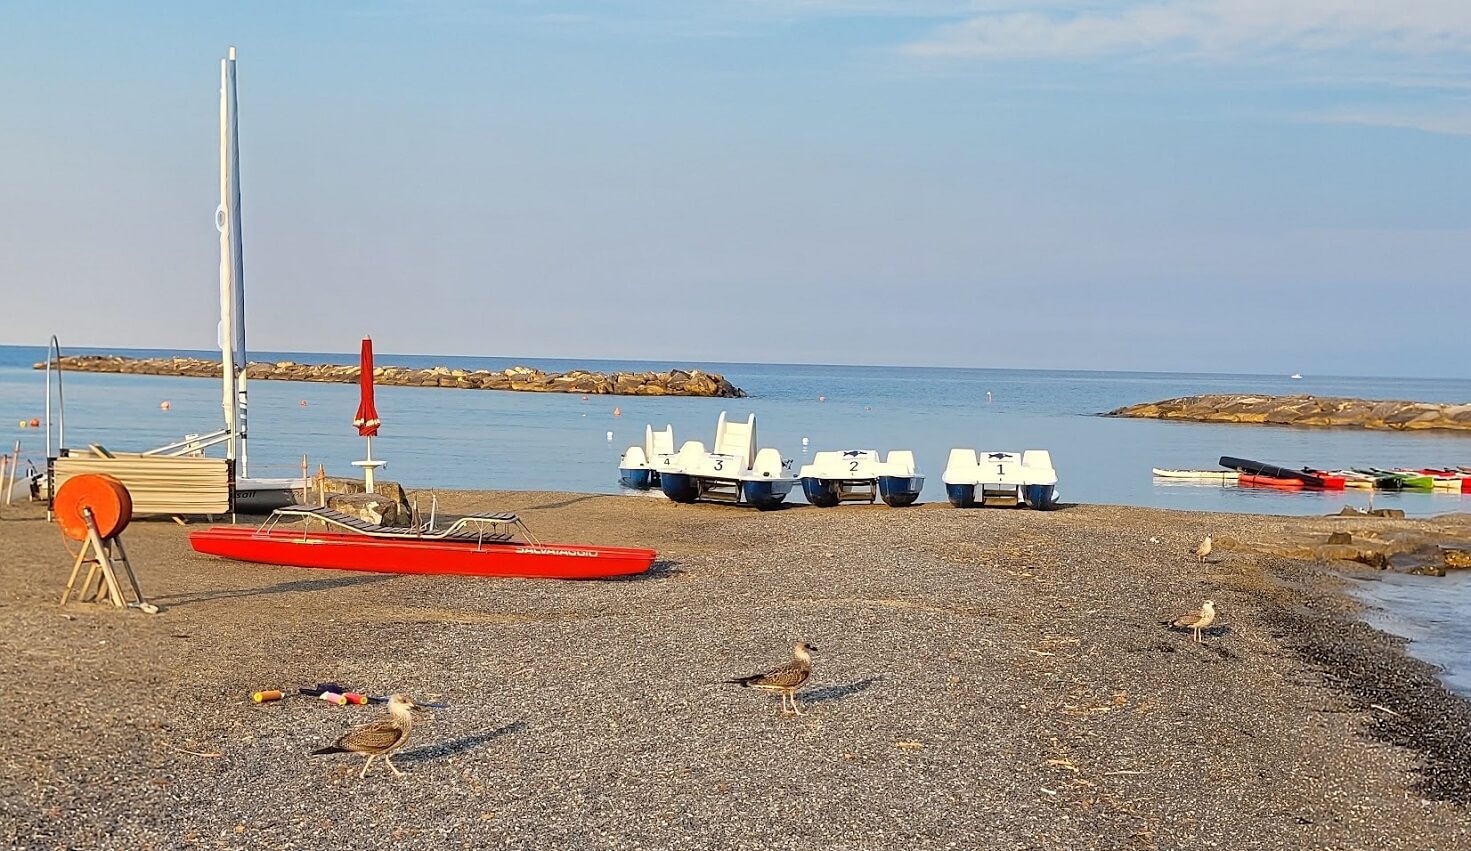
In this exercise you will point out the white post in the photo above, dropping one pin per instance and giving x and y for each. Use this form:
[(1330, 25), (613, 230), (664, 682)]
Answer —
[(229, 401), (369, 465)]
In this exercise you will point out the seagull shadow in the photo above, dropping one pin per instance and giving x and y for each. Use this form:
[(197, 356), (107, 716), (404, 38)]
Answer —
[(188, 597), (453, 747), (828, 693)]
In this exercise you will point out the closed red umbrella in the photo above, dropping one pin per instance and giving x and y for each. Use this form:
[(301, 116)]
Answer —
[(367, 417)]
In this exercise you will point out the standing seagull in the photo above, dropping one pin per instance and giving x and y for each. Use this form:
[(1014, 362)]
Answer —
[(786, 679), (1196, 620), (1204, 549), (379, 738)]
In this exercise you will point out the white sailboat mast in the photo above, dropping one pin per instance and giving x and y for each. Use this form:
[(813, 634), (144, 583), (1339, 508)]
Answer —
[(232, 272)]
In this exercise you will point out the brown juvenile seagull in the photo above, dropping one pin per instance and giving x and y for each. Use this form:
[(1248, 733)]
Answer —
[(379, 738), (786, 679), (1204, 549), (1196, 620)]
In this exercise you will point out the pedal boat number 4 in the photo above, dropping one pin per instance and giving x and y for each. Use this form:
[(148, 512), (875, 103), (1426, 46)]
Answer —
[(857, 475), (476, 545), (640, 466), (1001, 479)]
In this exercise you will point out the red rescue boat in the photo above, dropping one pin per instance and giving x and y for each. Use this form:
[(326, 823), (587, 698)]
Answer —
[(477, 545)]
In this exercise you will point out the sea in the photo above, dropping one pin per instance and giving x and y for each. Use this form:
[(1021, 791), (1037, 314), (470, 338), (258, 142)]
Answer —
[(468, 439)]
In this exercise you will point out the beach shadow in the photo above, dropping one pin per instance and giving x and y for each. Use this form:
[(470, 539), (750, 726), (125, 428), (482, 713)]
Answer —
[(1163, 646), (188, 597), (829, 693), (660, 569), (461, 745), (563, 504)]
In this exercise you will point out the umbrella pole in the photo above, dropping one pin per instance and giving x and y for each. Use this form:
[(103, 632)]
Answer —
[(369, 465)]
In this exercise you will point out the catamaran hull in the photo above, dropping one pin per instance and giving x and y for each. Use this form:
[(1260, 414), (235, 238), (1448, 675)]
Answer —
[(1038, 497), (342, 551), (763, 494), (638, 479), (899, 491), (264, 497), (895, 491)]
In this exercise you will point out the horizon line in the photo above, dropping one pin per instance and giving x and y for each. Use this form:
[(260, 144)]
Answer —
[(121, 349)]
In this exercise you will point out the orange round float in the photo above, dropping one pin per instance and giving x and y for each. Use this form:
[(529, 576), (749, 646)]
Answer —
[(105, 496)]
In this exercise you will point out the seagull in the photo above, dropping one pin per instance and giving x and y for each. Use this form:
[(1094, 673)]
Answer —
[(378, 738), (1204, 549), (1196, 620), (786, 679)]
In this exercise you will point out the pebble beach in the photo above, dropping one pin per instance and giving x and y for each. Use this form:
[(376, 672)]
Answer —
[(987, 678)]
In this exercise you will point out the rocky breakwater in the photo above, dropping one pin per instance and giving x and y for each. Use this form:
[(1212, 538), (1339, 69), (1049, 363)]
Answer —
[(1316, 411), (675, 382)]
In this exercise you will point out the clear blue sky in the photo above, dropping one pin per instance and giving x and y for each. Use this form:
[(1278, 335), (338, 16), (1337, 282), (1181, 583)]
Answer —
[(1224, 185)]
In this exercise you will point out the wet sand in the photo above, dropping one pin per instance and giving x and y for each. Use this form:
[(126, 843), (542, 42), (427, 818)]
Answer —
[(986, 678)]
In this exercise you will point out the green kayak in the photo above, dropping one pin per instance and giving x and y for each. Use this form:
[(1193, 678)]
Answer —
[(1408, 481)]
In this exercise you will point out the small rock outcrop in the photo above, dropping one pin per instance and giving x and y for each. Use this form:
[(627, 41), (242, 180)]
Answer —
[(370, 507), (388, 505), (1315, 411), (675, 382), (1405, 548)]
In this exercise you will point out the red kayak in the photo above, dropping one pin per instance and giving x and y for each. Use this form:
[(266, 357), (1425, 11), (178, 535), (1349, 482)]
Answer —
[(1258, 470), (1326, 481), (466, 548), (1270, 482)]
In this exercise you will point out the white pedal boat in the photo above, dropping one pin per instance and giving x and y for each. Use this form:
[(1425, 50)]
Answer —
[(640, 465), (1001, 478), (857, 475), (734, 471)]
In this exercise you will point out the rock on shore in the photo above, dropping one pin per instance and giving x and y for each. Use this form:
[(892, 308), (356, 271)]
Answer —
[(675, 382), (1322, 411)]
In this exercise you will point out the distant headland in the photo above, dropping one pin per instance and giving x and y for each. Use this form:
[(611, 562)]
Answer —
[(675, 382), (1313, 411)]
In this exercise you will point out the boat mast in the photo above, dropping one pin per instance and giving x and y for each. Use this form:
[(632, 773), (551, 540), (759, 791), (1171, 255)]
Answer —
[(232, 272)]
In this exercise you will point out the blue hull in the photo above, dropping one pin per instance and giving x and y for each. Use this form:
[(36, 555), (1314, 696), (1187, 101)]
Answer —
[(763, 495), (679, 487), (638, 479), (822, 493), (1040, 497), (961, 496), (899, 491)]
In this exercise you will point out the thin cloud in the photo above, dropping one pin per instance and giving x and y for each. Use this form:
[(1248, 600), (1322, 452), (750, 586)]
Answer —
[(1218, 30), (1454, 122)]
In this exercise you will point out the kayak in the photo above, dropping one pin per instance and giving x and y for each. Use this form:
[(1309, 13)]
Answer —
[(1407, 481), (1450, 479), (1350, 478), (1206, 475), (1272, 471), (1248, 480)]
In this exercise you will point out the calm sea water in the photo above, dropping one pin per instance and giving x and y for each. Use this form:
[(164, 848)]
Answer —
[(489, 440)]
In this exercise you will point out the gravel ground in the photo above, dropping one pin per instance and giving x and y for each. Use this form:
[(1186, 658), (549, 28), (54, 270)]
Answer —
[(984, 678)]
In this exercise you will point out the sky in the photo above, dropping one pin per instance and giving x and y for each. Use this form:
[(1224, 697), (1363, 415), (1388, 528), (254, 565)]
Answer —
[(1174, 185)]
